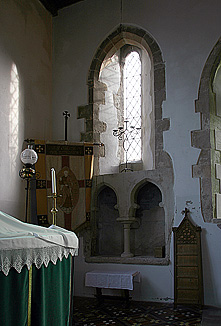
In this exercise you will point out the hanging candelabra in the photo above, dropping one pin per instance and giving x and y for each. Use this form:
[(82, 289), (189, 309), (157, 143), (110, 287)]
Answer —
[(126, 134)]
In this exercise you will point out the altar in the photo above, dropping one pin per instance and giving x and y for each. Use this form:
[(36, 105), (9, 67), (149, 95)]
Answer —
[(36, 273)]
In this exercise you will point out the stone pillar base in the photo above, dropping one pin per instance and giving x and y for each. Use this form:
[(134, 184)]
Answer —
[(127, 255)]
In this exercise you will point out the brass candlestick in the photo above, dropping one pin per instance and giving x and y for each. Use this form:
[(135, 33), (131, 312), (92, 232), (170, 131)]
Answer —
[(54, 209), (54, 196)]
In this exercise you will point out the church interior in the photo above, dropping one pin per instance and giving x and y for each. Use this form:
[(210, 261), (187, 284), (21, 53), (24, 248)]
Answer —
[(120, 101)]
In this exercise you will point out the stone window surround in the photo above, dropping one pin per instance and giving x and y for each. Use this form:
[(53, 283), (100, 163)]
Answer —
[(163, 171), (122, 35), (202, 138)]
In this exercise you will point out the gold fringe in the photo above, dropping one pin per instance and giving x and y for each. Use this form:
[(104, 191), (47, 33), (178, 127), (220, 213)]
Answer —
[(29, 295)]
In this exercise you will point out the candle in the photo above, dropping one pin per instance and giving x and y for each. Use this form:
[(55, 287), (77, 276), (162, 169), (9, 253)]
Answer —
[(53, 181)]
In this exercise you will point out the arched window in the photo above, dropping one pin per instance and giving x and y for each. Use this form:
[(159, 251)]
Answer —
[(132, 107), (127, 111), (217, 90), (208, 167), (126, 89), (103, 113)]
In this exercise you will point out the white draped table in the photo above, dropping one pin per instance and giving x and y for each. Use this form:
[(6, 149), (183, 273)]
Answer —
[(112, 280)]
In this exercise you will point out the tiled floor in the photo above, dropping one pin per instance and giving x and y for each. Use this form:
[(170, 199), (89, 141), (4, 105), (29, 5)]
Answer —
[(114, 313)]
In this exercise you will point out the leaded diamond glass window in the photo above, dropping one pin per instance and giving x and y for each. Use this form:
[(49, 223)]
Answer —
[(125, 81), (132, 107)]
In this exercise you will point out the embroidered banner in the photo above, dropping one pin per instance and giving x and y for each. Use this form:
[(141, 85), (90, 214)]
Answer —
[(41, 184), (73, 163)]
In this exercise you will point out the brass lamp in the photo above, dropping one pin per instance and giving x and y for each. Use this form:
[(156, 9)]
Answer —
[(28, 157)]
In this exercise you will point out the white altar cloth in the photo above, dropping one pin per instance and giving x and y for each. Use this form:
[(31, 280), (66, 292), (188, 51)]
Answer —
[(26, 244), (112, 279)]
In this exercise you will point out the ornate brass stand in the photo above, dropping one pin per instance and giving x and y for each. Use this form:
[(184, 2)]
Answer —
[(54, 209)]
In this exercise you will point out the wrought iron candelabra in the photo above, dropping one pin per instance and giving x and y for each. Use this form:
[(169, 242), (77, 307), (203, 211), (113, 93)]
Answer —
[(125, 134)]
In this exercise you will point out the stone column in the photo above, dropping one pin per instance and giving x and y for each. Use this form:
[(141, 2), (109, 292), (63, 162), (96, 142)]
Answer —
[(127, 253), (126, 224)]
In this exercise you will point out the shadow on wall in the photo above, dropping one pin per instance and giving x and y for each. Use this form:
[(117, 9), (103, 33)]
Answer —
[(208, 277)]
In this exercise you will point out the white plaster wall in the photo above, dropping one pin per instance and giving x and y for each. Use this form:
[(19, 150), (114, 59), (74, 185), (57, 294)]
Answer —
[(25, 40), (186, 32)]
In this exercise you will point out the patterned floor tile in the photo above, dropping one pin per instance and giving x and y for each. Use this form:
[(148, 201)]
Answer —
[(114, 313)]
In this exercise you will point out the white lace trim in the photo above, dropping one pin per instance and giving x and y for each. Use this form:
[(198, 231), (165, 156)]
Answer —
[(18, 258)]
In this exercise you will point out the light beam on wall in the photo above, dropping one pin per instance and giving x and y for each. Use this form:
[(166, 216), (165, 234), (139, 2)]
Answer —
[(13, 116)]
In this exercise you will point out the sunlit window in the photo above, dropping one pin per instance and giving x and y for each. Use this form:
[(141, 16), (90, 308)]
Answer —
[(124, 95), (132, 107), (14, 115)]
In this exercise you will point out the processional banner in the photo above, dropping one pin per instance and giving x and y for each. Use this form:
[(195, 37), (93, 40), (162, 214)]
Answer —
[(73, 163)]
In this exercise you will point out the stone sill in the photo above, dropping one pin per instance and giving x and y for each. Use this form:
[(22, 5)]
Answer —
[(133, 166), (133, 260), (216, 220)]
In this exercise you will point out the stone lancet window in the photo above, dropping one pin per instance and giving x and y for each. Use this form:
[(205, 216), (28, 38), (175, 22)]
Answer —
[(208, 139), (123, 100), (215, 123), (132, 106), (217, 90), (123, 77), (126, 88)]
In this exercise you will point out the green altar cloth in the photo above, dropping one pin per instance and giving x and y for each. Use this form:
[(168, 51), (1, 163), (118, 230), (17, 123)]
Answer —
[(14, 298), (36, 274), (50, 303), (50, 296)]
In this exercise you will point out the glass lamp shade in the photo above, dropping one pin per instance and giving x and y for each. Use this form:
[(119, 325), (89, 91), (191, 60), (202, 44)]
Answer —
[(29, 156)]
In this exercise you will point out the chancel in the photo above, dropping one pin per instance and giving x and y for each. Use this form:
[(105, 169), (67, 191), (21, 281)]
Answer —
[(132, 169)]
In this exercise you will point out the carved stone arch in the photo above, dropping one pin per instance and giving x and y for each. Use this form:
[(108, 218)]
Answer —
[(135, 191), (149, 232), (97, 189), (104, 222), (204, 139)]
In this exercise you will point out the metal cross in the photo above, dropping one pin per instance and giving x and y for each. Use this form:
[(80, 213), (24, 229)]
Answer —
[(66, 116)]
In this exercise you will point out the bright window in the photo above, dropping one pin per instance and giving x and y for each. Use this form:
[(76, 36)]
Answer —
[(126, 111), (132, 107)]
